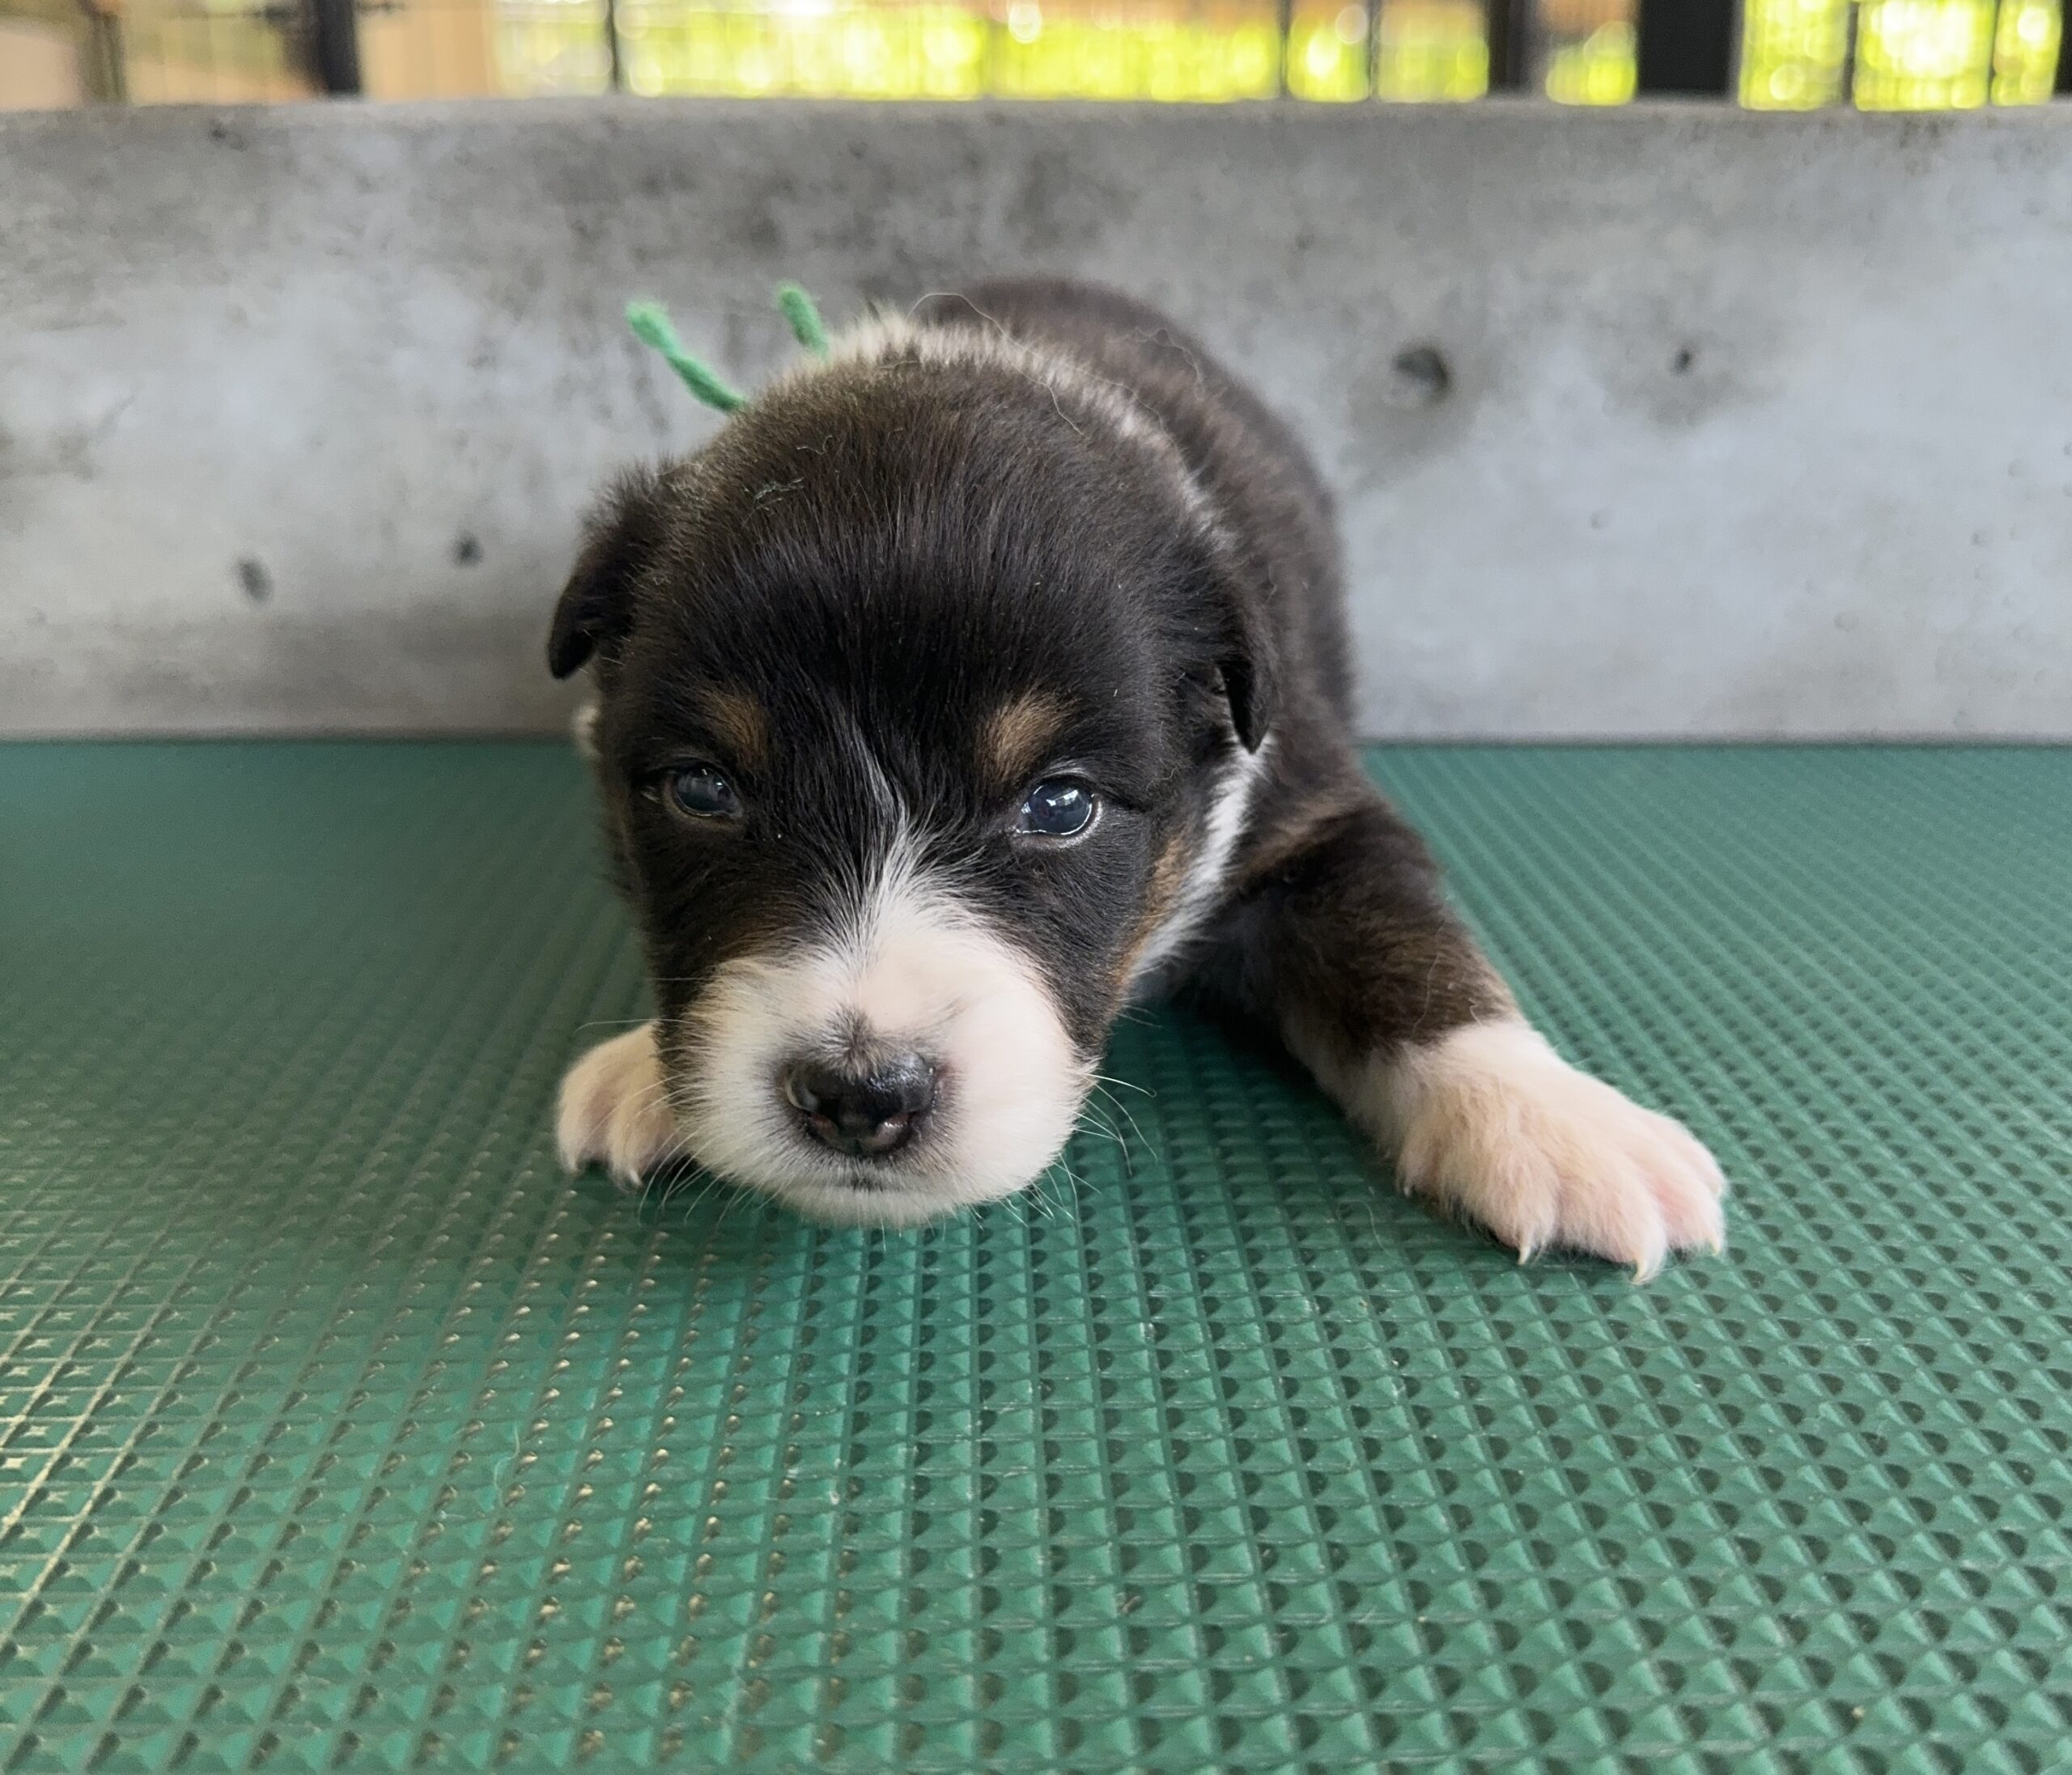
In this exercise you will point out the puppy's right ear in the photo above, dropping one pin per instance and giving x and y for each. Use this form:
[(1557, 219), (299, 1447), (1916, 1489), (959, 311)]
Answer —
[(621, 538)]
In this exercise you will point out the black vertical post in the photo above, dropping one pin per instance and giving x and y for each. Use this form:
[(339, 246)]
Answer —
[(1510, 44), (107, 69), (2064, 84), (1687, 46), (611, 43), (1284, 20), (334, 46)]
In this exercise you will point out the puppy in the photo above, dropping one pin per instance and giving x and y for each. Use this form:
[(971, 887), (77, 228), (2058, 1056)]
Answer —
[(978, 680)]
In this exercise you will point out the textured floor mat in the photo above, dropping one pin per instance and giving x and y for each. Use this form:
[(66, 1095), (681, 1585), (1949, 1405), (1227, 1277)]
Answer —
[(339, 1431)]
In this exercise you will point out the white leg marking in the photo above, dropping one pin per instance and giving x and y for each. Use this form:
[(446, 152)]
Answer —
[(1490, 1121), (615, 1109)]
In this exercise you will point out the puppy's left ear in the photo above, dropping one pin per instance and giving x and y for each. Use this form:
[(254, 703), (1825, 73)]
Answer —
[(1247, 657), (596, 609)]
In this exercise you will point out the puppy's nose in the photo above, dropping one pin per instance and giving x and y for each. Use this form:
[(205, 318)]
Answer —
[(863, 1114)]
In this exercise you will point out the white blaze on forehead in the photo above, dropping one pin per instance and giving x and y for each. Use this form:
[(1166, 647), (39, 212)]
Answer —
[(904, 969), (884, 337)]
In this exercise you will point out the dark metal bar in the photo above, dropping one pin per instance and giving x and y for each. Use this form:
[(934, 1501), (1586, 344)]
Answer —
[(1687, 46), (1284, 23), (611, 43), (2064, 84), (1993, 53), (105, 67), (334, 46), (1510, 23)]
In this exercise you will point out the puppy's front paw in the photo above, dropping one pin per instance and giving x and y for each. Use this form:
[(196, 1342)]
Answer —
[(1491, 1120), (615, 1109)]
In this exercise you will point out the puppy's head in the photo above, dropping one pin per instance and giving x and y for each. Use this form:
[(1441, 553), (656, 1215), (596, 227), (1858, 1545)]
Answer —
[(929, 701)]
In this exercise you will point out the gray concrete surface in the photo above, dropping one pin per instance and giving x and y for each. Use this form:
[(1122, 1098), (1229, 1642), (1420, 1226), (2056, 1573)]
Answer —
[(1745, 425)]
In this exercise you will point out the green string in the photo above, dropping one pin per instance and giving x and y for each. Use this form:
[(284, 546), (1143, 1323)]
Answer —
[(649, 321), (806, 325)]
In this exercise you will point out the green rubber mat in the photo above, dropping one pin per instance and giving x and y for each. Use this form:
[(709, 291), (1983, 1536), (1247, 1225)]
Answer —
[(341, 1432)]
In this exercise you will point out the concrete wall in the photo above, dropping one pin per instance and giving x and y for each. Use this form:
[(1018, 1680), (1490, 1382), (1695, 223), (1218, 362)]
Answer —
[(1745, 425)]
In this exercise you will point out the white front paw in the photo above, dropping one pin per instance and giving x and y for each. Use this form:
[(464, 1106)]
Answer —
[(615, 1110), (1492, 1121)]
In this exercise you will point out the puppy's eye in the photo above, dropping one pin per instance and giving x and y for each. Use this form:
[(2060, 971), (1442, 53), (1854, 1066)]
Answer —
[(1061, 807), (702, 792)]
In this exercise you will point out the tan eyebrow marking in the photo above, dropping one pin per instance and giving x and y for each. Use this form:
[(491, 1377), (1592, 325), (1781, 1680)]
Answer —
[(738, 720), (1019, 734)]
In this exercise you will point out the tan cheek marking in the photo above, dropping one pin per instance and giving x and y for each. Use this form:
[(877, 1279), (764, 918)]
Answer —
[(1018, 735), (1169, 875), (738, 720)]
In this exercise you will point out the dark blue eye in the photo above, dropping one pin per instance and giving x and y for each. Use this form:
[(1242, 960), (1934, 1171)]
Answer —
[(702, 792), (1061, 808)]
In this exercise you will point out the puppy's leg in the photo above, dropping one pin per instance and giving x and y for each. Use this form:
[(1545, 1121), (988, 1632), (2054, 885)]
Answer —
[(615, 1109), (1347, 943)]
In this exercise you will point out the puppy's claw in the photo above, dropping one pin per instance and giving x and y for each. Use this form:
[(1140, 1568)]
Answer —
[(615, 1110)]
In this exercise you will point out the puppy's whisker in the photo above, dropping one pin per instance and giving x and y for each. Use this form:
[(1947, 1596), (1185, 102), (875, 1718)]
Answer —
[(701, 1182), (698, 1182), (1121, 1109), (1108, 1131), (1076, 1183)]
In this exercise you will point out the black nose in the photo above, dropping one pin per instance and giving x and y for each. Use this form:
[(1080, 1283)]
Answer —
[(865, 1114)]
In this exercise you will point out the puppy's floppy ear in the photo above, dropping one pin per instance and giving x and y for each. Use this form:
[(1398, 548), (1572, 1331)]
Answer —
[(1249, 675), (597, 605), (1247, 657)]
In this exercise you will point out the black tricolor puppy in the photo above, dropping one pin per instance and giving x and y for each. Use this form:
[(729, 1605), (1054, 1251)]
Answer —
[(980, 678)]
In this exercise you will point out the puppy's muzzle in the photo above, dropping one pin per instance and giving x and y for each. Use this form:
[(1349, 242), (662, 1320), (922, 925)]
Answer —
[(862, 1113)]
